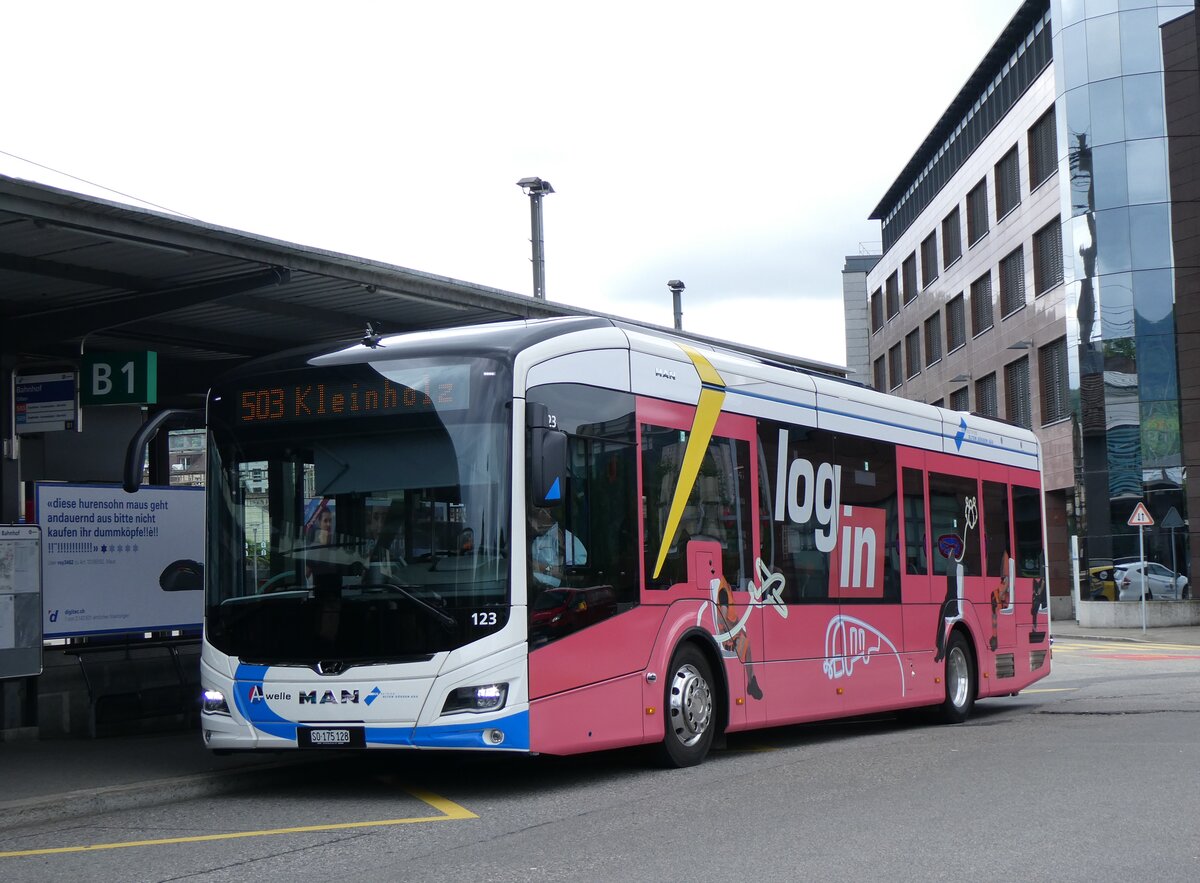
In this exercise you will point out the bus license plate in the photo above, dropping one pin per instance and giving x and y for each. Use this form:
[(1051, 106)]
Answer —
[(330, 737)]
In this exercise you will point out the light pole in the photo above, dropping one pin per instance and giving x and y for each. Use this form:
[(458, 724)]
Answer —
[(677, 288), (535, 189)]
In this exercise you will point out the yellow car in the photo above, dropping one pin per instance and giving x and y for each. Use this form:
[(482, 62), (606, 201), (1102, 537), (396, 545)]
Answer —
[(1101, 583)]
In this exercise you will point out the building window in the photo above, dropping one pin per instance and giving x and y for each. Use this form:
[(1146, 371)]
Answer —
[(912, 353), (894, 376), (1043, 144), (1008, 184), (1012, 282), (956, 324), (940, 403), (1047, 258), (933, 339), (977, 213), (951, 238), (929, 265), (893, 295), (909, 268), (985, 396), (1052, 368), (881, 374), (981, 304), (876, 310), (960, 399), (1016, 393)]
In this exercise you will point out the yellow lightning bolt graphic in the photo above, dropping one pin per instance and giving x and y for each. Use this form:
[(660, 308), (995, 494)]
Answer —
[(708, 409)]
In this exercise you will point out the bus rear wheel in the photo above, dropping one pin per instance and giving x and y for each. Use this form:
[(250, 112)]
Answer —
[(960, 681), (690, 709)]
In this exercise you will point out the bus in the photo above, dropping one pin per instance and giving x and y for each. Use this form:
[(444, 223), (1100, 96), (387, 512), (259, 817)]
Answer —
[(565, 535)]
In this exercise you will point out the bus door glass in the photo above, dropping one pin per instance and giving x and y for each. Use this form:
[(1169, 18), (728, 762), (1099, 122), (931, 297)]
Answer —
[(917, 590), (1000, 568), (957, 560), (864, 646)]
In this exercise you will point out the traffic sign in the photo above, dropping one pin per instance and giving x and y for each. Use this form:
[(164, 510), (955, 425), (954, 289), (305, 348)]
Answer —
[(1141, 517), (1173, 520)]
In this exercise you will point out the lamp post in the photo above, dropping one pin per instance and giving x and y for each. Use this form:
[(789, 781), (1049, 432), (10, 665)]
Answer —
[(677, 288), (535, 189)]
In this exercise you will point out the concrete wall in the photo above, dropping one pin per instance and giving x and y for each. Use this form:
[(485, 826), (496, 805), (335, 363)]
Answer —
[(1128, 614)]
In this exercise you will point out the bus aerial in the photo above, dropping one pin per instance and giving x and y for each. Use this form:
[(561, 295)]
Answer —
[(566, 535)]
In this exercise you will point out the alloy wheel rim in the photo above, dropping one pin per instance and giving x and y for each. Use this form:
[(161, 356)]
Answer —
[(691, 705)]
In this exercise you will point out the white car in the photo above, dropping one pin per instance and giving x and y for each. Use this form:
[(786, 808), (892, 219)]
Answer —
[(1159, 582)]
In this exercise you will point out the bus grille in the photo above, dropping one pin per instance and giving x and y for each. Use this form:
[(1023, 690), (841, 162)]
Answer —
[(1037, 659)]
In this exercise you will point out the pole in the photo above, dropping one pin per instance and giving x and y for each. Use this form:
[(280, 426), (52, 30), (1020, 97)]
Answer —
[(1142, 555), (1075, 568), (539, 245)]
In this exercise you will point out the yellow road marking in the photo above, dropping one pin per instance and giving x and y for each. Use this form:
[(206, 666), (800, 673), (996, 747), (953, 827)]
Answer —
[(450, 811)]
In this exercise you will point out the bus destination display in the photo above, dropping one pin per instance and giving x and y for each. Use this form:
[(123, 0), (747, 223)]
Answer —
[(399, 391)]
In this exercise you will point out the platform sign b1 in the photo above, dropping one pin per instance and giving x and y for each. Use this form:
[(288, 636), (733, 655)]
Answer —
[(119, 379)]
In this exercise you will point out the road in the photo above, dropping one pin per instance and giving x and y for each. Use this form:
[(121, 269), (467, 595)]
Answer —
[(1092, 775)]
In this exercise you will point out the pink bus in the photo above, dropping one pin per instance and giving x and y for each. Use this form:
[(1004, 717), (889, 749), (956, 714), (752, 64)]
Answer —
[(567, 535)]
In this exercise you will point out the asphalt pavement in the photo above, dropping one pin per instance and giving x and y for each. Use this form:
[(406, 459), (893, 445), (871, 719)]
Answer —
[(50, 779)]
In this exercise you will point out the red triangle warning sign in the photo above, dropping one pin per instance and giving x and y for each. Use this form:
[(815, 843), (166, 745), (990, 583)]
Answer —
[(1141, 517)]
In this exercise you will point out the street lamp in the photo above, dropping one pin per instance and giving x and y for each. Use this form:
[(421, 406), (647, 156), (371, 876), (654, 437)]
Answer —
[(677, 288), (535, 189)]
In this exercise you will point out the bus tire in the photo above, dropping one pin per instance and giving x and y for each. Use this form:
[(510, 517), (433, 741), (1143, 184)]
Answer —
[(689, 708), (960, 681)]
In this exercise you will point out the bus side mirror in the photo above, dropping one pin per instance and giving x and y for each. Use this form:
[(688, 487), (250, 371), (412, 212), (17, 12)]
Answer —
[(549, 463), (135, 454)]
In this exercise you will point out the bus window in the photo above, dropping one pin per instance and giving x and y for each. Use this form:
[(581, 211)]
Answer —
[(597, 575), (718, 507), (867, 520), (793, 545), (954, 522), (996, 542), (1027, 515), (916, 542)]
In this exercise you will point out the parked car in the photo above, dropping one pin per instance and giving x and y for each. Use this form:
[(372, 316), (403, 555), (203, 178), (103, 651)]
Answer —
[(1157, 581), (1100, 582), (1101, 585)]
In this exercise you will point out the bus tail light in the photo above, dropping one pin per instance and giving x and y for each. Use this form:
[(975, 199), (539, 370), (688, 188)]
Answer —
[(478, 699)]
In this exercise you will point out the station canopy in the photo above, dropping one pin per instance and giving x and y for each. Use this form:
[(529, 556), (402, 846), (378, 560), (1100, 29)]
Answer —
[(80, 274)]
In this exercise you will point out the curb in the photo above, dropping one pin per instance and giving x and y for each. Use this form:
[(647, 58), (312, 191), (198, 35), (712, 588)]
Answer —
[(90, 801)]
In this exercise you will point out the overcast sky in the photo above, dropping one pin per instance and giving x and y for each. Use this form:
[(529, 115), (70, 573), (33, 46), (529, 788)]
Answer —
[(738, 147)]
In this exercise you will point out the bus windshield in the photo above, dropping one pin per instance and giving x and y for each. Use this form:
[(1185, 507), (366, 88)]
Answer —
[(375, 533)]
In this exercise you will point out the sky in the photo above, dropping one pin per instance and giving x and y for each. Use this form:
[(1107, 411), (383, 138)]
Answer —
[(737, 147)]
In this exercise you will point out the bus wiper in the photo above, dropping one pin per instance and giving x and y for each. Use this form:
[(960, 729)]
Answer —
[(440, 615)]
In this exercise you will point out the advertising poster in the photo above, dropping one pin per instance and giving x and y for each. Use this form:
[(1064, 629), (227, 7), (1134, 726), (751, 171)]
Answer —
[(114, 562)]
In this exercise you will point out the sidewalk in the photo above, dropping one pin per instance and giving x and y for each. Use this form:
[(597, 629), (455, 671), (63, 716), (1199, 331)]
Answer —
[(1183, 634), (61, 778), (45, 780)]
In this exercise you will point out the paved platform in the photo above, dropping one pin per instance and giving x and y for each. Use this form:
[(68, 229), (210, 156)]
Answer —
[(44, 780)]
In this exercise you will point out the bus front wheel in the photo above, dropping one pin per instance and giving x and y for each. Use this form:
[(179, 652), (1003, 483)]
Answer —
[(690, 709), (960, 681)]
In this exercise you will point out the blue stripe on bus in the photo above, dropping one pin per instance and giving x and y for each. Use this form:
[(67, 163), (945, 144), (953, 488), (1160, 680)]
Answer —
[(941, 436)]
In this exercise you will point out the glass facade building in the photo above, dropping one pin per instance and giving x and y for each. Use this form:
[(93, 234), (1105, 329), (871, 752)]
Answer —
[(1063, 185), (1120, 267)]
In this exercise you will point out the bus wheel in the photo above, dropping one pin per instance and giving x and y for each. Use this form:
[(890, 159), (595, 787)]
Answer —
[(690, 710), (960, 682)]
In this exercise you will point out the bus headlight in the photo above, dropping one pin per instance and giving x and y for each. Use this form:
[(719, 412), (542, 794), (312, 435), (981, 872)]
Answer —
[(485, 697), (213, 702)]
